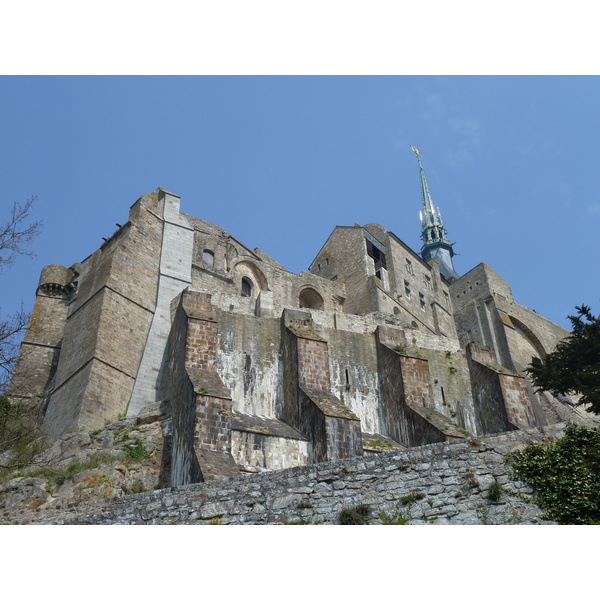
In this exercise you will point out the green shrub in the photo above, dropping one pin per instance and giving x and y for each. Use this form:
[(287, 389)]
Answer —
[(135, 452), (355, 515), (565, 473)]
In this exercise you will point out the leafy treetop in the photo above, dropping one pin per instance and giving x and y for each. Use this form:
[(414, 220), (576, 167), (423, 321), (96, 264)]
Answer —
[(574, 366)]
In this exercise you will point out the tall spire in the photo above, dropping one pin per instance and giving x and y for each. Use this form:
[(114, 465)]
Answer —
[(435, 242)]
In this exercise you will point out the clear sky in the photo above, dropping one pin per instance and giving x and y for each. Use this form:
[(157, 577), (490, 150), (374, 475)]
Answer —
[(279, 161)]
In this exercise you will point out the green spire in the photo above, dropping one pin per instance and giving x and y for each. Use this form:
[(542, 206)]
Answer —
[(432, 228), (435, 243)]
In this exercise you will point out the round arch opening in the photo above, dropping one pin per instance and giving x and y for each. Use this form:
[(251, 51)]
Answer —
[(310, 298)]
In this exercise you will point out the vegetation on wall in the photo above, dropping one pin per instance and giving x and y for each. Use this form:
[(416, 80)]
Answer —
[(20, 437), (574, 367), (565, 473), (355, 515)]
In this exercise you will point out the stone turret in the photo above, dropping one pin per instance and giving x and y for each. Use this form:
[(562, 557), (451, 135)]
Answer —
[(56, 280)]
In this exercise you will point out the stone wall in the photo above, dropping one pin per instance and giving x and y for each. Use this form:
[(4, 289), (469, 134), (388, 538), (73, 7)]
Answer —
[(107, 324), (344, 257), (443, 483)]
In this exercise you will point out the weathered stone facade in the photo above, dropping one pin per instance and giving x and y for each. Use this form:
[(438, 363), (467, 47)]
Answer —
[(258, 369)]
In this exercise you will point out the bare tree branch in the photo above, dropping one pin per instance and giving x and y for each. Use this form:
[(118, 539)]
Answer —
[(18, 232), (15, 237), (11, 330), (20, 437)]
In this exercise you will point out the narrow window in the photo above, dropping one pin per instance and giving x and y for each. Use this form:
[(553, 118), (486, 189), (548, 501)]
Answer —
[(326, 261), (378, 259), (208, 258), (409, 267), (422, 301), (347, 378), (407, 289), (446, 298), (428, 282), (246, 287)]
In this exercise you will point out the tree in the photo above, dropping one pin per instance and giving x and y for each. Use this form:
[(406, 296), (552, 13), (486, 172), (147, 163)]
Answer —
[(20, 440), (15, 237), (565, 473), (574, 366)]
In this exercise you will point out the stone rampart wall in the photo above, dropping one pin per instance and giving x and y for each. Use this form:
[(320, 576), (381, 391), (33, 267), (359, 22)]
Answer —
[(443, 483)]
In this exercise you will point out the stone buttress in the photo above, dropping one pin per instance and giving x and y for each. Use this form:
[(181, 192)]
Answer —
[(500, 395), (309, 406), (408, 415), (200, 403)]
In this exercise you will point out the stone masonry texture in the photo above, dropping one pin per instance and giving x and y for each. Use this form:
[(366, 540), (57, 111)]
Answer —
[(443, 483)]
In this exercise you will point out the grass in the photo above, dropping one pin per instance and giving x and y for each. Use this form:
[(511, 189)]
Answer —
[(495, 491)]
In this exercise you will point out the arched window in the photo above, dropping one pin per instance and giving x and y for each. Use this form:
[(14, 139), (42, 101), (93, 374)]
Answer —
[(246, 287), (310, 298), (208, 258)]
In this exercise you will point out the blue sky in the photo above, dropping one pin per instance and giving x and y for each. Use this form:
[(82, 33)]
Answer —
[(280, 161)]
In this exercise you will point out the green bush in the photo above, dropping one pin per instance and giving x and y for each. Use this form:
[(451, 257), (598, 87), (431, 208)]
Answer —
[(135, 452), (355, 515), (565, 473)]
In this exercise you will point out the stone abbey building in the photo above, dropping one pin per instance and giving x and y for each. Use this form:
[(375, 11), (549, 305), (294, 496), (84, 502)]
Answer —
[(375, 348)]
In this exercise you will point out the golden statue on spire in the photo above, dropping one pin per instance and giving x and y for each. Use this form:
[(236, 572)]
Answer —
[(415, 151)]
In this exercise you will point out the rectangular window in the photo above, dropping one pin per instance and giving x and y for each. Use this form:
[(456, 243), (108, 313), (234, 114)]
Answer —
[(428, 283), (378, 258), (409, 267), (422, 301), (447, 299), (407, 289)]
